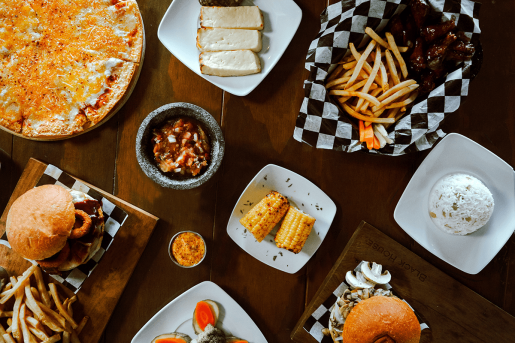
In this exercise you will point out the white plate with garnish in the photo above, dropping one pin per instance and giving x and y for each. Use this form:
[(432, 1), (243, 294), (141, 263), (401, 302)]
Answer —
[(458, 154), (178, 33), (302, 194), (177, 316)]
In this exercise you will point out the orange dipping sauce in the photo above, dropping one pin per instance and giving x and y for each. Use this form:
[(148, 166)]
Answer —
[(188, 249)]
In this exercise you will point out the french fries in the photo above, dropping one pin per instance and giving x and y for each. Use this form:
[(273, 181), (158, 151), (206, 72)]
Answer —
[(45, 297), (359, 65), (19, 283), (376, 95), (39, 314), (60, 307), (397, 54)]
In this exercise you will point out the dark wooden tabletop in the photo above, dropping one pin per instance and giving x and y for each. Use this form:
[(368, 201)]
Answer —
[(258, 130)]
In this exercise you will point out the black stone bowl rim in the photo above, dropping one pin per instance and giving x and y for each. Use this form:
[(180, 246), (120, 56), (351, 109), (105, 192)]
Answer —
[(156, 118)]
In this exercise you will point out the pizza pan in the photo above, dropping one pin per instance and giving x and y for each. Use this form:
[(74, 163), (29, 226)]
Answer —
[(144, 147)]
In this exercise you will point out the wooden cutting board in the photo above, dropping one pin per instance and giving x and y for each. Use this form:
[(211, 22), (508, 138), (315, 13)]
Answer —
[(99, 294), (453, 312)]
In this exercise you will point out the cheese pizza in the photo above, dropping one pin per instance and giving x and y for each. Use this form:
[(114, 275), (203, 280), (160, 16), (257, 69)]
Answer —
[(64, 64)]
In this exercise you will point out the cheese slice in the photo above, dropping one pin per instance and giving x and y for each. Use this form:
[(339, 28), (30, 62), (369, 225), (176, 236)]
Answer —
[(241, 17), (214, 39), (229, 63)]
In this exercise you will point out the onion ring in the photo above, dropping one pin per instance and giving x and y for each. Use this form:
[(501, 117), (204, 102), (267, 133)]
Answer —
[(86, 225), (56, 262)]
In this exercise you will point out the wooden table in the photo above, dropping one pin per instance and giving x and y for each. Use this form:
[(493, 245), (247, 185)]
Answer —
[(258, 130)]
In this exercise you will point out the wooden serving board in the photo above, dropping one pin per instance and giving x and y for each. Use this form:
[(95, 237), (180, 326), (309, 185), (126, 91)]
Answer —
[(99, 294), (453, 312)]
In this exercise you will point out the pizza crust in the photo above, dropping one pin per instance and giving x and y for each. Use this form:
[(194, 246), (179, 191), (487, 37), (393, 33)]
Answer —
[(123, 74)]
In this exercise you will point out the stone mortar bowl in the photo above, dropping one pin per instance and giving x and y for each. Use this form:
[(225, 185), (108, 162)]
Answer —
[(157, 118)]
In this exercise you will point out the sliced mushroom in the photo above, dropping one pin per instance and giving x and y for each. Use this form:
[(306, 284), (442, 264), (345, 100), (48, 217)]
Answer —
[(338, 316), (366, 293), (373, 274), (357, 281)]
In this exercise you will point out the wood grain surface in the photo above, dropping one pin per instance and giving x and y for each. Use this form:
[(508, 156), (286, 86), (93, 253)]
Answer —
[(258, 130), (100, 293), (431, 293)]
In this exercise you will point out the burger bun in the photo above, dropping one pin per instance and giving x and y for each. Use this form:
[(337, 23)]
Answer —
[(381, 319), (39, 222)]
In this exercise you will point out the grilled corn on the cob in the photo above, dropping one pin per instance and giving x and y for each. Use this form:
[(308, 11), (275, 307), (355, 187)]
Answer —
[(262, 218), (294, 230)]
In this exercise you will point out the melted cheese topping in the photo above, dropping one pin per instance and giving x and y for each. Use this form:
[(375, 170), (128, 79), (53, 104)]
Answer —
[(229, 63), (18, 26), (241, 17), (209, 39), (59, 59), (79, 196)]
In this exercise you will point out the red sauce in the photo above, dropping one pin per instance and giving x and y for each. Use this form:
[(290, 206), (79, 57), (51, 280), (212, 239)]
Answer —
[(181, 147)]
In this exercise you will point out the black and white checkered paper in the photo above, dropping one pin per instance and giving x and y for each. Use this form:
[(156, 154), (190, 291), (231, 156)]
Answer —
[(114, 218), (322, 124), (320, 318)]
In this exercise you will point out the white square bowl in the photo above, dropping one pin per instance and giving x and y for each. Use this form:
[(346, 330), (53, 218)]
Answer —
[(178, 33), (458, 154), (177, 316), (301, 193)]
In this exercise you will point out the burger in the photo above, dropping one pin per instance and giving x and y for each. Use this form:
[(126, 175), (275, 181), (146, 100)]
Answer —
[(381, 319), (368, 313), (58, 228)]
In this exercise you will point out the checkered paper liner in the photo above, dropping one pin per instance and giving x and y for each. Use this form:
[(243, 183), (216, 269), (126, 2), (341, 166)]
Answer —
[(114, 218), (322, 124), (320, 318)]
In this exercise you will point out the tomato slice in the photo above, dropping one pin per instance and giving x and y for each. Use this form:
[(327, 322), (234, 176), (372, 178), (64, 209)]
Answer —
[(204, 315)]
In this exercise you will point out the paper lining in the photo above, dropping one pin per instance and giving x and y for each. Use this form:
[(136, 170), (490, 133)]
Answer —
[(114, 218), (319, 319), (418, 130)]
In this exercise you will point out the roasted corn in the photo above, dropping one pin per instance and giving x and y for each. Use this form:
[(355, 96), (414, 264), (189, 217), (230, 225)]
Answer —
[(294, 230), (262, 218)]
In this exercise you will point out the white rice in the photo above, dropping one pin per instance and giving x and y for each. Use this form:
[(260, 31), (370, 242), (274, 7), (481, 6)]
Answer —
[(460, 204)]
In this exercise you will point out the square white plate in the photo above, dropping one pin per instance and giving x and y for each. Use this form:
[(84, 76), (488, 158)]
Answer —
[(178, 33), (301, 193), (177, 316), (458, 154)]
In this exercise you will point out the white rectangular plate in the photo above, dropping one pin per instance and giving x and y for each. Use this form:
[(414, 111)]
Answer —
[(301, 193), (177, 316), (458, 154), (178, 33)]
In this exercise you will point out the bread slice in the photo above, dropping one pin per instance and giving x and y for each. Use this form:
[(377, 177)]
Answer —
[(216, 39), (229, 63), (242, 17)]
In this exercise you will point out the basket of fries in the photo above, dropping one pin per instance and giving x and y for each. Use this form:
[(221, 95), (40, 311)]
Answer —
[(34, 312), (383, 76)]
